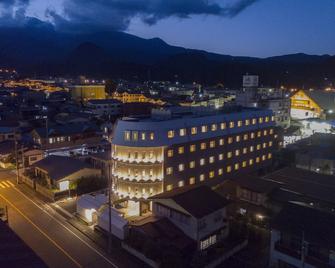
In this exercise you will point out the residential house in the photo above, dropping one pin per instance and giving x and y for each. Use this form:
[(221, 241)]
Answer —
[(108, 107)]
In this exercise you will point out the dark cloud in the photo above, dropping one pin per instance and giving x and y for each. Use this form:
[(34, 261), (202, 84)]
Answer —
[(13, 12), (92, 15)]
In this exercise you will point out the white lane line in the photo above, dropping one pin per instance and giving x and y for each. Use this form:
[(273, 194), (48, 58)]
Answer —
[(10, 183), (4, 183), (65, 227)]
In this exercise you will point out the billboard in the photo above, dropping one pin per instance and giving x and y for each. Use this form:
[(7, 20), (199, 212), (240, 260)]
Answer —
[(250, 80)]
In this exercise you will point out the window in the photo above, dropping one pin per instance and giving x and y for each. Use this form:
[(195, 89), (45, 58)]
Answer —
[(207, 242), (180, 183), (169, 187), (212, 144), (258, 147), (127, 135), (203, 129), (152, 136), (229, 154), (220, 156), (260, 120), (194, 130), (202, 177), (228, 169), (239, 123), (259, 134), (269, 155), (230, 140), (264, 145), (169, 170), (265, 132), (214, 127), (247, 122), (244, 164), (272, 118), (135, 135), (170, 153), (254, 121), (181, 150), (271, 131), (237, 166), (251, 162), (221, 142), (181, 167), (192, 148), (263, 157), (270, 143), (245, 137), (220, 171), (211, 174), (257, 159), (202, 161), (192, 180), (237, 152), (170, 134), (231, 124), (143, 136), (266, 119), (245, 150), (211, 159), (182, 132), (238, 138), (192, 164), (252, 135), (223, 126), (251, 149), (203, 146)]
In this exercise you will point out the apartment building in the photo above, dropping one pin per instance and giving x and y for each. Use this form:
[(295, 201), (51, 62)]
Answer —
[(173, 149)]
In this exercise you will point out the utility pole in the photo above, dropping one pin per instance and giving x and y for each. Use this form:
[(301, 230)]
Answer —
[(16, 160)]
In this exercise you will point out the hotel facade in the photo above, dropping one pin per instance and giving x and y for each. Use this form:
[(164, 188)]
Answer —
[(170, 150)]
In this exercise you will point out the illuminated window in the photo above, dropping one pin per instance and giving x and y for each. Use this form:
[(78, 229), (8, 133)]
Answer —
[(221, 142), (152, 136), (245, 150), (203, 129), (260, 120), (203, 146), (169, 170), (238, 138), (266, 119), (170, 153), (254, 121), (169, 187), (263, 157), (265, 132), (237, 166), (237, 152), (229, 154), (228, 169), (252, 135), (211, 159), (220, 171), (170, 134), (181, 167), (244, 164), (192, 164), (245, 137), (202, 177), (214, 127), (276, 136), (127, 135), (212, 144), (230, 140), (251, 149), (264, 145), (202, 161), (143, 136), (231, 124), (182, 131), (271, 131), (269, 155), (270, 143), (247, 122), (192, 148), (259, 134), (220, 156), (239, 123), (251, 162), (272, 118), (135, 135), (181, 150), (180, 183), (258, 147), (257, 159), (211, 174), (192, 180), (223, 126), (194, 130), (151, 154)]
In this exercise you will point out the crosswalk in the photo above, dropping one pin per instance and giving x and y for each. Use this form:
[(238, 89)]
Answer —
[(6, 184)]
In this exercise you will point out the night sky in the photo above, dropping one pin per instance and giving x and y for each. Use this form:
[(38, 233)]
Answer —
[(237, 27)]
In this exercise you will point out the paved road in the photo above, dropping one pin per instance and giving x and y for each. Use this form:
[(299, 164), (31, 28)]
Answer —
[(48, 234)]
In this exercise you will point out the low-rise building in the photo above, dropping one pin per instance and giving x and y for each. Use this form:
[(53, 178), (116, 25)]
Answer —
[(87, 92), (109, 107)]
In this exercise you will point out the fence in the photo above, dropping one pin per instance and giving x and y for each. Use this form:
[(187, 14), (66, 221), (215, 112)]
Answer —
[(28, 181)]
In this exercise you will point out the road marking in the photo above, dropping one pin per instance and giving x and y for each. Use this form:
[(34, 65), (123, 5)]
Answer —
[(60, 223), (4, 183), (10, 183), (41, 231), (2, 186)]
